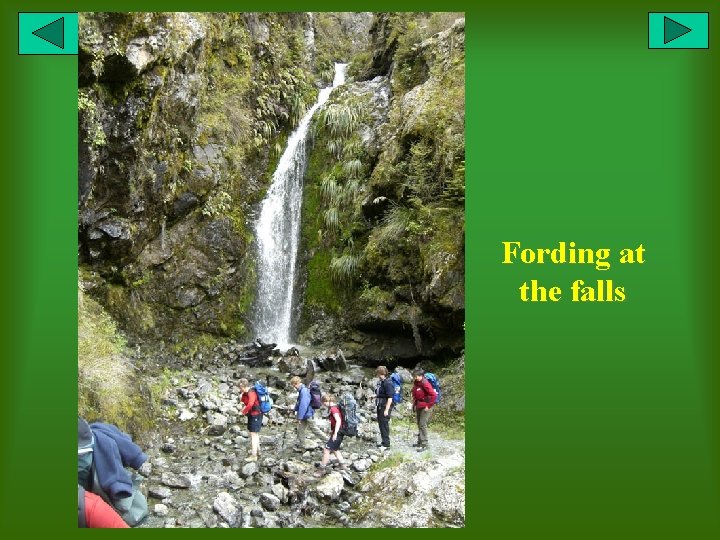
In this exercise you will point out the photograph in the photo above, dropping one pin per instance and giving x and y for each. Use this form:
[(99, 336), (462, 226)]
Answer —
[(271, 269)]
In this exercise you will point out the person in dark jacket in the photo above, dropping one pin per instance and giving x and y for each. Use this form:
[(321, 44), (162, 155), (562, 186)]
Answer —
[(424, 396), (95, 513), (304, 414), (383, 405), (251, 402)]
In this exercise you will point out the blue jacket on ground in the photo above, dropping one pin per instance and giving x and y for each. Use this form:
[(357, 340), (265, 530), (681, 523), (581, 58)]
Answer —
[(114, 450), (303, 410)]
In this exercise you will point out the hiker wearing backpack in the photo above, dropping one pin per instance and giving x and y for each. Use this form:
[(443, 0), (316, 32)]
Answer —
[(336, 435), (249, 398), (307, 403), (95, 513), (383, 405), (424, 397)]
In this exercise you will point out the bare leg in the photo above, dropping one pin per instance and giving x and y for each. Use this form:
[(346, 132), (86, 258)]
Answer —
[(326, 457), (254, 443)]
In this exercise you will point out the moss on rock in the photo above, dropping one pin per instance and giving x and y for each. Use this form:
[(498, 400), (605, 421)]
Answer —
[(183, 118), (386, 227)]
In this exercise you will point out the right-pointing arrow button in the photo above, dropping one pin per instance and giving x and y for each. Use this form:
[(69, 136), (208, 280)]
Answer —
[(674, 30)]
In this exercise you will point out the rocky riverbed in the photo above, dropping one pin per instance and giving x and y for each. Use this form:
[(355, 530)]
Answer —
[(196, 476)]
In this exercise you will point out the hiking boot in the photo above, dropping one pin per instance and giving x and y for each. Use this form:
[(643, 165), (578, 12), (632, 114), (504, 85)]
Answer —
[(415, 445), (421, 448), (383, 448), (251, 458), (320, 472)]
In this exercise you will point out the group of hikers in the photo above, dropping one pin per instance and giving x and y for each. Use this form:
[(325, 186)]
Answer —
[(424, 397), (104, 451)]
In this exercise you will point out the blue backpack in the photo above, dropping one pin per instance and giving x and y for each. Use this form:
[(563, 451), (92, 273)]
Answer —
[(263, 397), (397, 384), (433, 380)]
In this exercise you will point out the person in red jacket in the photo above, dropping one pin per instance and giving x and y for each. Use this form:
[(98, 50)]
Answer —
[(249, 399), (424, 396), (336, 436), (95, 513)]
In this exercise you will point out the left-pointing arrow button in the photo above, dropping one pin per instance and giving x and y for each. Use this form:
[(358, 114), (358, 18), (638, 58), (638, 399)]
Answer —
[(53, 32)]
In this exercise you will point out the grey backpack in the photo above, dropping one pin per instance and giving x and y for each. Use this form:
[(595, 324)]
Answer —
[(350, 420)]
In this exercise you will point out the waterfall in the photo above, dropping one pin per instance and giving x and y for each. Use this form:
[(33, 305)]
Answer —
[(278, 231)]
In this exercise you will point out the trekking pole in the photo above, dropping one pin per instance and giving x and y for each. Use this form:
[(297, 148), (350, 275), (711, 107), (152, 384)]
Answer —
[(410, 427), (287, 424)]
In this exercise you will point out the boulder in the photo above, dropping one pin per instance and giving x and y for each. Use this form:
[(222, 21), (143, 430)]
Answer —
[(232, 480), (293, 365), (226, 506), (249, 469), (159, 492), (281, 492), (333, 361), (330, 486), (217, 420), (362, 465), (175, 481), (269, 502), (216, 430)]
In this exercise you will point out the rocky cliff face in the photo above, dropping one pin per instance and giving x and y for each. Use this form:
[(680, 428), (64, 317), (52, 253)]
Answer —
[(182, 117), (384, 210)]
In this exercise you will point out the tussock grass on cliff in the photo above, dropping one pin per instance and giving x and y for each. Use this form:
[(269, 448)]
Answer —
[(105, 377)]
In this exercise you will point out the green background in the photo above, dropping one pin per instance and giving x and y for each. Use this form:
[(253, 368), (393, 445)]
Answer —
[(583, 420)]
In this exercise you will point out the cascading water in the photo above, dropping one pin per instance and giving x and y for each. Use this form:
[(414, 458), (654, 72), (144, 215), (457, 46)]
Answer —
[(278, 231)]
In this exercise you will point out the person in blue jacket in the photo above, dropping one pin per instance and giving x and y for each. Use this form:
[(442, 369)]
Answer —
[(304, 414)]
